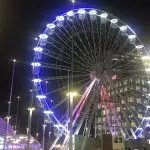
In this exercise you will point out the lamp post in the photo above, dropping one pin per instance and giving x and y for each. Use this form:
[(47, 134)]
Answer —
[(43, 142), (71, 95), (73, 1), (18, 99), (10, 101), (46, 112), (30, 109)]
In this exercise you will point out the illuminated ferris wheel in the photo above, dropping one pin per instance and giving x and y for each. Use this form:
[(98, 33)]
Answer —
[(96, 54)]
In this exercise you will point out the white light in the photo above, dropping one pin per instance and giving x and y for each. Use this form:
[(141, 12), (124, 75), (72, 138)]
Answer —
[(17, 141), (31, 109), (38, 49), (148, 82), (51, 26), (132, 37), (14, 60), (37, 80), (114, 21), (104, 15), (70, 13), (145, 58), (41, 96), (148, 94), (81, 11), (73, 1), (72, 94), (139, 129), (146, 118), (48, 112), (148, 107), (58, 126), (22, 137), (43, 36), (139, 46), (93, 12), (147, 69), (114, 58), (36, 64), (148, 125), (123, 28), (60, 18)]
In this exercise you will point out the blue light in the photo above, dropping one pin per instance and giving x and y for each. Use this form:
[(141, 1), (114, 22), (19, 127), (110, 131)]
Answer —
[(37, 80), (81, 11), (38, 49), (41, 96), (70, 13), (48, 112), (60, 18), (43, 36), (51, 26), (36, 64)]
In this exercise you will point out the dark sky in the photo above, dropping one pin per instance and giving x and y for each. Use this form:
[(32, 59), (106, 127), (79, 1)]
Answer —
[(22, 20)]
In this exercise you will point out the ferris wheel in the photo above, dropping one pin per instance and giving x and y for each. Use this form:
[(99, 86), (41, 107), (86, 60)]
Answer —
[(96, 54)]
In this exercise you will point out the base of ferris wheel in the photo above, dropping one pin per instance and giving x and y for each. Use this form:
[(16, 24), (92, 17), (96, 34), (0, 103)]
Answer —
[(107, 142)]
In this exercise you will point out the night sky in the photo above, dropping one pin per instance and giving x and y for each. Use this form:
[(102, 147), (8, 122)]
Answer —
[(22, 20)]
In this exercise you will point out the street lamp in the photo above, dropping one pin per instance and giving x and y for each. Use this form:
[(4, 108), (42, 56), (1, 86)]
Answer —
[(71, 95), (73, 1), (30, 109), (10, 100), (43, 143)]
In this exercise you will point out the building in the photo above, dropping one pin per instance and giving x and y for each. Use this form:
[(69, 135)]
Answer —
[(16, 142)]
